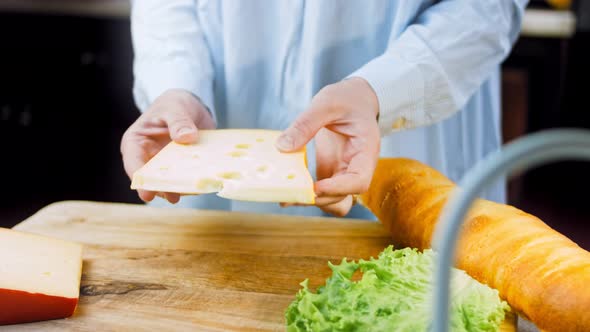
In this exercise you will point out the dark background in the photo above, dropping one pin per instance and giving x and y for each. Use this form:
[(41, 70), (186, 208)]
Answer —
[(65, 101)]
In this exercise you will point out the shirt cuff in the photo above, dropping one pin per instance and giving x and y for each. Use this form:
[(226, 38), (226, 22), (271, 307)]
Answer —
[(399, 86), (157, 78)]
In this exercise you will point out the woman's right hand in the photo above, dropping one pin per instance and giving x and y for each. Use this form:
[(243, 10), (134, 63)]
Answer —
[(175, 115)]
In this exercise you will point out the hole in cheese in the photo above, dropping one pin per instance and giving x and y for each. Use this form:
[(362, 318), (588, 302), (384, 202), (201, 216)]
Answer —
[(209, 185), (237, 154), (139, 180), (230, 175), (242, 146)]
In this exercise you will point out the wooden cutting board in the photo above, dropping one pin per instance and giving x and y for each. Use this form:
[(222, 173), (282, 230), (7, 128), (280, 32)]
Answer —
[(148, 269)]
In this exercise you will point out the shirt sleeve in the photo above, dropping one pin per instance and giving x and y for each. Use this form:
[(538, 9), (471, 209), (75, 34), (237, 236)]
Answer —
[(171, 51), (430, 70)]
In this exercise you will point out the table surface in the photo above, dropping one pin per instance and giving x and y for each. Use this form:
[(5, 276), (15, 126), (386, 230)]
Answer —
[(148, 269), (173, 269)]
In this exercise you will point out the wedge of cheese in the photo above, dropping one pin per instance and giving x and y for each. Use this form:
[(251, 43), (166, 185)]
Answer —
[(239, 164), (39, 277)]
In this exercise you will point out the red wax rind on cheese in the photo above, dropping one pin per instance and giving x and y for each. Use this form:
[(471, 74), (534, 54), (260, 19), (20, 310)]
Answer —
[(23, 307), (42, 281)]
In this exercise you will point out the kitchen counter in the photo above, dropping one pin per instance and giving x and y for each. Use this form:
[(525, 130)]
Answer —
[(176, 270), (93, 8), (548, 23)]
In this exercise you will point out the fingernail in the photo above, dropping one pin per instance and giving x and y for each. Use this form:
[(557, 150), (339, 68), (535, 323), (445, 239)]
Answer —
[(185, 131), (285, 143)]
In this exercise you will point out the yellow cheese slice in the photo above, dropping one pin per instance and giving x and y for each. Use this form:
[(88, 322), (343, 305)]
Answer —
[(39, 277), (239, 164)]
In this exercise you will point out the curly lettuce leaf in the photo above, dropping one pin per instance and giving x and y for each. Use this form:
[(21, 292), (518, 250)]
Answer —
[(393, 294)]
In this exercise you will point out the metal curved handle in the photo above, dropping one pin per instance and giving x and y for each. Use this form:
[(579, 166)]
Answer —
[(530, 151)]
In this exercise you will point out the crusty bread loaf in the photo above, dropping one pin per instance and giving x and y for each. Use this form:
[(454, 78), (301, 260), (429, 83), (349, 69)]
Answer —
[(541, 273)]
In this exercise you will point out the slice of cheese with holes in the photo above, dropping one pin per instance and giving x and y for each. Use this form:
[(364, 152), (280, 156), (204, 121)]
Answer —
[(39, 277), (239, 164)]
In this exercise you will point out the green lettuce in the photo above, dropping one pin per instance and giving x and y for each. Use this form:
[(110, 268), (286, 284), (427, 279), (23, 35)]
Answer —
[(393, 294)]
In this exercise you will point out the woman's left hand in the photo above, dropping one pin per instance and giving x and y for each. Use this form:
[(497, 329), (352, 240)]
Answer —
[(343, 119)]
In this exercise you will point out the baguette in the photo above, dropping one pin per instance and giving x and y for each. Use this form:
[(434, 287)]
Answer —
[(542, 274)]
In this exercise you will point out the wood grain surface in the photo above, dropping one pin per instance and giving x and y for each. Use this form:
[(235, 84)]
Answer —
[(148, 269)]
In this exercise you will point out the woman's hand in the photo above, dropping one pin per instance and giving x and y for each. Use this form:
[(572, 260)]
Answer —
[(343, 119), (175, 115)]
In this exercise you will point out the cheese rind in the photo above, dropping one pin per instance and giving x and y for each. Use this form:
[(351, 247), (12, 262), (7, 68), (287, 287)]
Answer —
[(24, 307), (240, 164), (39, 277)]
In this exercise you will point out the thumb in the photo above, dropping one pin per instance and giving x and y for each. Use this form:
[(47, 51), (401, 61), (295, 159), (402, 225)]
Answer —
[(181, 126), (301, 131)]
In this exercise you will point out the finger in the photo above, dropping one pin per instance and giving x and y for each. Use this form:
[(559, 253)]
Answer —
[(205, 120), (181, 126), (344, 184), (145, 195), (134, 153), (172, 197), (355, 180), (328, 153), (303, 129), (132, 161), (152, 131), (339, 209), (285, 205), (328, 200)]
